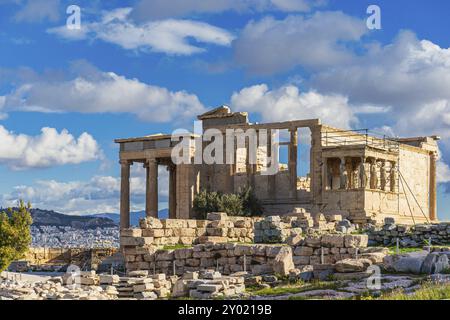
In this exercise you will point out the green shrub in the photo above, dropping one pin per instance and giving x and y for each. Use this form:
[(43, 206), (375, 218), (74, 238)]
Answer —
[(232, 204), (251, 204), (205, 202), (244, 203), (15, 235)]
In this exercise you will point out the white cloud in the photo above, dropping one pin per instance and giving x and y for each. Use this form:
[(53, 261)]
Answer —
[(287, 103), (100, 194), (443, 172), (161, 9), (37, 11), (102, 92), (2, 104), (270, 46), (411, 76), (168, 36), (50, 148)]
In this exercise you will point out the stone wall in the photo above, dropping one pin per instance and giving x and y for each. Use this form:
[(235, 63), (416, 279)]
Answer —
[(410, 236), (218, 228), (284, 229), (226, 258), (47, 257), (328, 249)]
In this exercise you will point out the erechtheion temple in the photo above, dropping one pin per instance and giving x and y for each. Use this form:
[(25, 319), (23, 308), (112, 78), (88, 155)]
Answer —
[(353, 173)]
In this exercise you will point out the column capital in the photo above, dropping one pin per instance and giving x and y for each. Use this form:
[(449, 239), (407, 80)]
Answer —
[(150, 161), (125, 162)]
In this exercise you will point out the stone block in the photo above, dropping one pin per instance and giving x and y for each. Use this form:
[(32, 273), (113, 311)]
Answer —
[(356, 241), (156, 233), (303, 251), (216, 216), (332, 241), (283, 263), (131, 232)]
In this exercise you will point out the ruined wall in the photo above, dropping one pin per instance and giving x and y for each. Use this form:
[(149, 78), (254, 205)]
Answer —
[(76, 256), (226, 258), (331, 248), (219, 228), (410, 236), (415, 168)]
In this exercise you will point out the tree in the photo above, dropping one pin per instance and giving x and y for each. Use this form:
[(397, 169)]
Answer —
[(15, 235)]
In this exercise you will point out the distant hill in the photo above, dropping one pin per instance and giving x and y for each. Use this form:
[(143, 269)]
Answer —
[(52, 218), (134, 216), (101, 220)]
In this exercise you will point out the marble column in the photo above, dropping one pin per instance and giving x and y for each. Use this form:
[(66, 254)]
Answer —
[(125, 194), (433, 183), (172, 192), (293, 149), (151, 195), (343, 174)]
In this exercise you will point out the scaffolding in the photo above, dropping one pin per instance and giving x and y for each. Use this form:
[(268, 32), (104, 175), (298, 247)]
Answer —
[(360, 137)]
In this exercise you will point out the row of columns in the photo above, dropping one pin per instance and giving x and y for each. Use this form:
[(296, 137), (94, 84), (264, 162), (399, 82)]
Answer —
[(151, 191), (351, 177)]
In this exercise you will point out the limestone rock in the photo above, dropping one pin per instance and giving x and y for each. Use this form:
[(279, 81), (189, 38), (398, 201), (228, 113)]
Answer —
[(283, 263), (352, 265), (216, 216)]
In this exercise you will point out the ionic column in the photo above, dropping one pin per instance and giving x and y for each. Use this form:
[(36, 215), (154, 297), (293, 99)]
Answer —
[(325, 180), (433, 206), (172, 192), (293, 148), (151, 194), (271, 178), (124, 194)]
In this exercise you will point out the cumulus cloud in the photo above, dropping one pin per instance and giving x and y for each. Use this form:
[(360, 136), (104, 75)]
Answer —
[(443, 172), (94, 91), (410, 76), (167, 36), (287, 103), (100, 194), (161, 9), (269, 46), (50, 148), (37, 11)]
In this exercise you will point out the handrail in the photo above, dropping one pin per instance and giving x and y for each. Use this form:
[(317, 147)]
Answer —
[(358, 137)]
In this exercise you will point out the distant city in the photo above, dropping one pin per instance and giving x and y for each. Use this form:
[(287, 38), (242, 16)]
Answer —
[(69, 237), (51, 229)]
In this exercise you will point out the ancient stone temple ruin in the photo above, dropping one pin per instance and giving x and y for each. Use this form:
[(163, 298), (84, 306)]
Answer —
[(363, 177)]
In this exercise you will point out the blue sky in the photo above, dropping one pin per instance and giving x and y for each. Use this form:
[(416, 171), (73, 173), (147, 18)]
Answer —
[(146, 66)]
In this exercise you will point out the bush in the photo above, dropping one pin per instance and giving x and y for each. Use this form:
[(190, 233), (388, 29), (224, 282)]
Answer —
[(251, 204), (232, 204), (15, 235), (205, 202), (243, 203)]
